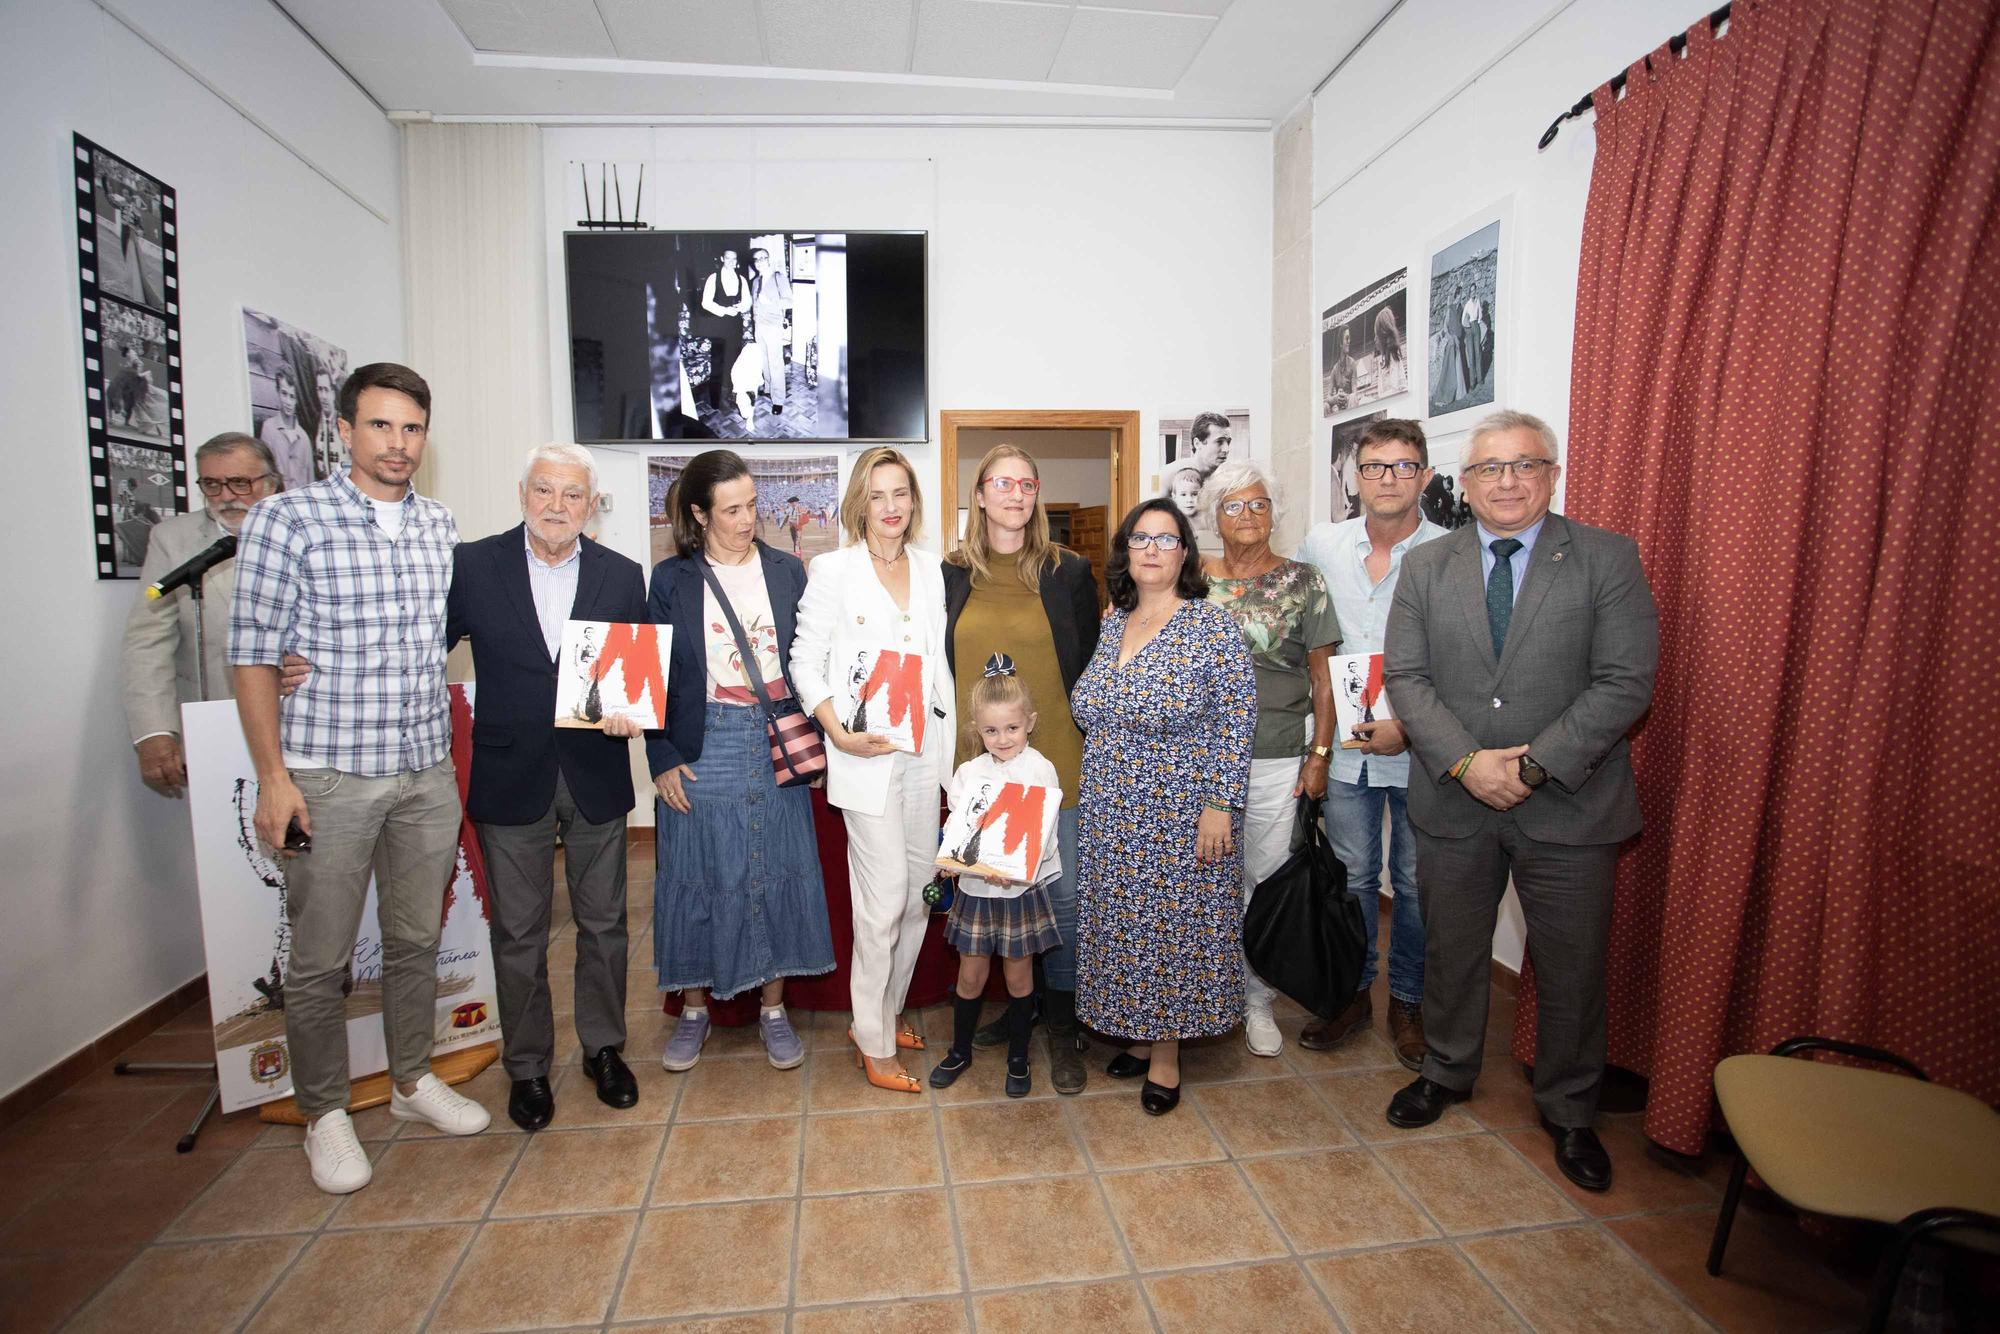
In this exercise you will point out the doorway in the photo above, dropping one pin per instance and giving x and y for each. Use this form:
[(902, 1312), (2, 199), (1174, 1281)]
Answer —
[(1088, 460)]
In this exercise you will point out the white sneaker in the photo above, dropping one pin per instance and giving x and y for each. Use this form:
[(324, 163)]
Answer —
[(1260, 1031), (435, 1103), (339, 1167)]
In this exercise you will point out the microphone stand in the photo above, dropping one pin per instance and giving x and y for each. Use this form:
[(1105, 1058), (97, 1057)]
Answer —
[(186, 1142)]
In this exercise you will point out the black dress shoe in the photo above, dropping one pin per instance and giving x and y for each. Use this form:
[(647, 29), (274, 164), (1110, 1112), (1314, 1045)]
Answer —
[(615, 1085), (1158, 1099), (1127, 1066), (532, 1104), (1421, 1103), (1580, 1156)]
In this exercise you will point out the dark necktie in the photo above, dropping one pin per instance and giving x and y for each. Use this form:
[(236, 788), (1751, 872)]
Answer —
[(1500, 590)]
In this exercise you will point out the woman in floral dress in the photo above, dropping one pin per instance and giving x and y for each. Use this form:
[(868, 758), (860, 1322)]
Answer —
[(1168, 708)]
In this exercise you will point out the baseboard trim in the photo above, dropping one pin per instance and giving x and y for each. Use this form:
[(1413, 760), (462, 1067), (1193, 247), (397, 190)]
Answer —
[(78, 1065)]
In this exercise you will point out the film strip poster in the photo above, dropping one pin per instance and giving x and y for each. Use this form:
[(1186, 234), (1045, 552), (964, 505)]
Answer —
[(128, 282)]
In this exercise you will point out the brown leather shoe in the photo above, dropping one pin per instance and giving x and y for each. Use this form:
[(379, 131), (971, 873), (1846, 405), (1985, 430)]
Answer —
[(1406, 1033), (1326, 1034)]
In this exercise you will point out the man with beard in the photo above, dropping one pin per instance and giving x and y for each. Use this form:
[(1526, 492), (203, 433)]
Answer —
[(234, 472)]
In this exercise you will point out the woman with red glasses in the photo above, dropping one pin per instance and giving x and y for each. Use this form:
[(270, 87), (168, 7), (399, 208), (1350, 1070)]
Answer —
[(1009, 589)]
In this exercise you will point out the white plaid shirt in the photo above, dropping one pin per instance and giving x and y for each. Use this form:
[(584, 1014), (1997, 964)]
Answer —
[(317, 576)]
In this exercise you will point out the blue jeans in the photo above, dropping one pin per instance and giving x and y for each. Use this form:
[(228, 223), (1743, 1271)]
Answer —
[(1059, 964), (1354, 827)]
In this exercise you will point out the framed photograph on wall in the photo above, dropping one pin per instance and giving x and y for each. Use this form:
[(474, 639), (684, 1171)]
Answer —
[(1194, 442), (1345, 482), (798, 501), (295, 380), (1469, 300), (1363, 346), (128, 307)]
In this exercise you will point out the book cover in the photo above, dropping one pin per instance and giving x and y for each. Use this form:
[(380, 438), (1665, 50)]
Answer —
[(886, 692), (612, 669), (1000, 831), (1358, 696)]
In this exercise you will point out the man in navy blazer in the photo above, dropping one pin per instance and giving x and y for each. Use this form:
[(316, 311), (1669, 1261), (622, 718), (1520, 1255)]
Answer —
[(533, 782)]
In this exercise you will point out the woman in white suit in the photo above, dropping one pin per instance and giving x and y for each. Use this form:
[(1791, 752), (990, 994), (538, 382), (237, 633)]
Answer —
[(880, 594)]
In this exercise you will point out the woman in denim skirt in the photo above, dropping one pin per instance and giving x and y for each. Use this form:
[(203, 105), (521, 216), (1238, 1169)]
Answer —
[(737, 898)]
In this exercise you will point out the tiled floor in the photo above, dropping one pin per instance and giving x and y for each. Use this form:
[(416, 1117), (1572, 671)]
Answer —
[(739, 1198)]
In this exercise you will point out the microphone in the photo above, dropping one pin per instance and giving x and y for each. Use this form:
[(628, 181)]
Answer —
[(194, 568)]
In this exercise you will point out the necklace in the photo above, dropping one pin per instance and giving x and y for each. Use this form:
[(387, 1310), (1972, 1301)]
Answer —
[(1146, 622), (888, 560)]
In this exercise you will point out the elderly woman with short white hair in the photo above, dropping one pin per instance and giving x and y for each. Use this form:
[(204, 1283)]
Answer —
[(1287, 619)]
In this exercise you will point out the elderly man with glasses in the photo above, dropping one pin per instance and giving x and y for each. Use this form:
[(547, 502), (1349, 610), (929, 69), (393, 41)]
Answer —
[(1520, 650), (233, 471)]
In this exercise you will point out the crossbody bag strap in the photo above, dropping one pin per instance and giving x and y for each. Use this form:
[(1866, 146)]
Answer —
[(742, 640)]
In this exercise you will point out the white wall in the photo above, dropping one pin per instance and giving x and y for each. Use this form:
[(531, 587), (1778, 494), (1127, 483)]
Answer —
[(1462, 151), (98, 914)]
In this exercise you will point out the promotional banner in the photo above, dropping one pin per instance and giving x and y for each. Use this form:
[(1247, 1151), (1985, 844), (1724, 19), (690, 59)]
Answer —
[(247, 935)]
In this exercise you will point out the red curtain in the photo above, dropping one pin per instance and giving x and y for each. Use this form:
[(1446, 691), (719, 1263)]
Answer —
[(1786, 389)]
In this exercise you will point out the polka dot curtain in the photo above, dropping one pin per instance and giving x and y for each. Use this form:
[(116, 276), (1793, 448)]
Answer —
[(1787, 389)]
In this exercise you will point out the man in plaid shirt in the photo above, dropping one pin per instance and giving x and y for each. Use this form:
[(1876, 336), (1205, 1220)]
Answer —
[(351, 574)]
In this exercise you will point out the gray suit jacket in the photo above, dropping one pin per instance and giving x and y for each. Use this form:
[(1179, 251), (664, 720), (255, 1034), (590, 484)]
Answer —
[(1576, 674), (159, 635)]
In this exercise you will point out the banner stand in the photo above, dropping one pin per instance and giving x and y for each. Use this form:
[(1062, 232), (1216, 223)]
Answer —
[(453, 1067)]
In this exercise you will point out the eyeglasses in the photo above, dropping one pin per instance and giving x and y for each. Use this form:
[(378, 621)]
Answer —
[(1029, 486), (236, 486), (1158, 541), (1525, 469), (1235, 507), (1403, 468)]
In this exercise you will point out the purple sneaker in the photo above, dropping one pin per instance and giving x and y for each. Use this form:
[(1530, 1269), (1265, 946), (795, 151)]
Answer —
[(684, 1048), (781, 1043)]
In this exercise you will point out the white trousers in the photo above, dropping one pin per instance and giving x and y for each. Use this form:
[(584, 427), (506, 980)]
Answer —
[(1268, 815), (889, 861)]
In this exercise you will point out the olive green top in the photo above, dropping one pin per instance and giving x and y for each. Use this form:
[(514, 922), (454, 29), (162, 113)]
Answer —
[(1004, 615)]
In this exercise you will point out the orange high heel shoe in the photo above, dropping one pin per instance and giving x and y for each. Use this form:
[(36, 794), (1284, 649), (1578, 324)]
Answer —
[(909, 1039), (899, 1081)]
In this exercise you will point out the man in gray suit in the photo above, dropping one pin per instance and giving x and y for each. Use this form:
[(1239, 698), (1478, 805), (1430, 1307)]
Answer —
[(233, 472), (1519, 652)]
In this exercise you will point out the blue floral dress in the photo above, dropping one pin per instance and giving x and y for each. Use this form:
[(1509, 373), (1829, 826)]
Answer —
[(1159, 934)]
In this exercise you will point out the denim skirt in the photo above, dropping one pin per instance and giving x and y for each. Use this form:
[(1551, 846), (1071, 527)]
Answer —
[(737, 897)]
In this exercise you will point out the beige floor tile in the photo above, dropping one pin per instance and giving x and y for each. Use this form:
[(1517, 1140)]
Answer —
[(741, 1086), (1257, 1299), (578, 1107), (43, 1289), (1475, 1183), (538, 1273), (992, 1141), (431, 1181), (1573, 1279), (856, 1151), (1099, 1308), (374, 1126), (376, 1280), (836, 1084), (1640, 1183), (1278, 1116), (1218, 1060), (1504, 1098), (986, 1081), (763, 1322), (709, 1259), (1366, 1050), (578, 1171), (1335, 1200), (1052, 1230), (219, 1133), (855, 1248), (115, 1200), (264, 1191), (210, 1285), (1416, 1290), (28, 1181), (1770, 1278), (1362, 1099), (939, 1316), (1118, 1133), (490, 1089), (710, 1161), (86, 1121), (1179, 1216)]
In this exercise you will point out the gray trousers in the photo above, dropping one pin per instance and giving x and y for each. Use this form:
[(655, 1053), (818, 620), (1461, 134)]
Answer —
[(405, 829), (521, 876), (1565, 894)]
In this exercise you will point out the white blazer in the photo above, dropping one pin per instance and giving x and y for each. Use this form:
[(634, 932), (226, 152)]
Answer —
[(846, 609)]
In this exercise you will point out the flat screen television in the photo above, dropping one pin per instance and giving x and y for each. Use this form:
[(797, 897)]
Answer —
[(773, 335)]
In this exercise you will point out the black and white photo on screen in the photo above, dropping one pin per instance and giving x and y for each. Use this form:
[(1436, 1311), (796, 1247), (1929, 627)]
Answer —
[(1364, 355)]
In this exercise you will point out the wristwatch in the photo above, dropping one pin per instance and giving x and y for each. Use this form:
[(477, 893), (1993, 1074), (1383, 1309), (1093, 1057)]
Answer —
[(1323, 752), (1534, 775)]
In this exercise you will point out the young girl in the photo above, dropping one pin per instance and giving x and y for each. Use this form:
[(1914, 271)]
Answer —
[(1011, 919)]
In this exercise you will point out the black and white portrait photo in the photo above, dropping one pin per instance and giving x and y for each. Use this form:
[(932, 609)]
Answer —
[(129, 238), (1346, 443), (1363, 350), (142, 494), (136, 371), (1443, 503), (1464, 311), (295, 380)]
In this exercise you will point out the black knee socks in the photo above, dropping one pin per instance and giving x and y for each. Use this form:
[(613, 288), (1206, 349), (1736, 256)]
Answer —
[(964, 1022), (1020, 1019)]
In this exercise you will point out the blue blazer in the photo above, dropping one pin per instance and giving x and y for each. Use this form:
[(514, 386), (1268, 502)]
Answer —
[(676, 600), (517, 748)]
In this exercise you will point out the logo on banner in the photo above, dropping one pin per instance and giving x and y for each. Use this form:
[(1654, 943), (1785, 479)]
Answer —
[(269, 1062), (469, 1015)]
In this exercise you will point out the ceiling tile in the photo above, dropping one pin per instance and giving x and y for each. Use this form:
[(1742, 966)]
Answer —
[(697, 32), (850, 34), (531, 27), (1123, 49), (981, 39), (1212, 7)]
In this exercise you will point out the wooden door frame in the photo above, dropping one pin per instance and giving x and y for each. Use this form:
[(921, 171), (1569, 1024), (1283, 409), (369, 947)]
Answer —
[(1124, 459)]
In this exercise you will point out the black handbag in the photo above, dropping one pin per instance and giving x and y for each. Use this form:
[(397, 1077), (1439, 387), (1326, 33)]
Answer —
[(1303, 931)]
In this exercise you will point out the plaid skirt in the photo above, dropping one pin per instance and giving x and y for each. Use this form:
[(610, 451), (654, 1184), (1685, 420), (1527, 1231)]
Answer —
[(1016, 928)]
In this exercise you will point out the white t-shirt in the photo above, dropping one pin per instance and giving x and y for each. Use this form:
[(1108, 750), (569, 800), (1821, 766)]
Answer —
[(1030, 767), (388, 516), (728, 683)]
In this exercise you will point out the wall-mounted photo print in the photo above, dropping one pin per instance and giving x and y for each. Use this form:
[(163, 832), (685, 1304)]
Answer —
[(136, 372), (1363, 356), (295, 380), (798, 502), (1193, 444), (130, 241), (1470, 306), (142, 494), (1346, 483)]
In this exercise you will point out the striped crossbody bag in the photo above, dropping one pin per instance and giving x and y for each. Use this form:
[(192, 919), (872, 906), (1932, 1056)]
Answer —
[(798, 755)]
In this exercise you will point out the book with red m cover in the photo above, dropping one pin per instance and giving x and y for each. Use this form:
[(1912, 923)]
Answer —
[(612, 669), (888, 693), (1358, 696)]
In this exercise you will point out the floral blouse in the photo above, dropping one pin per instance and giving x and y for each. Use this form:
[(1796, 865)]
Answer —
[(1284, 614)]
